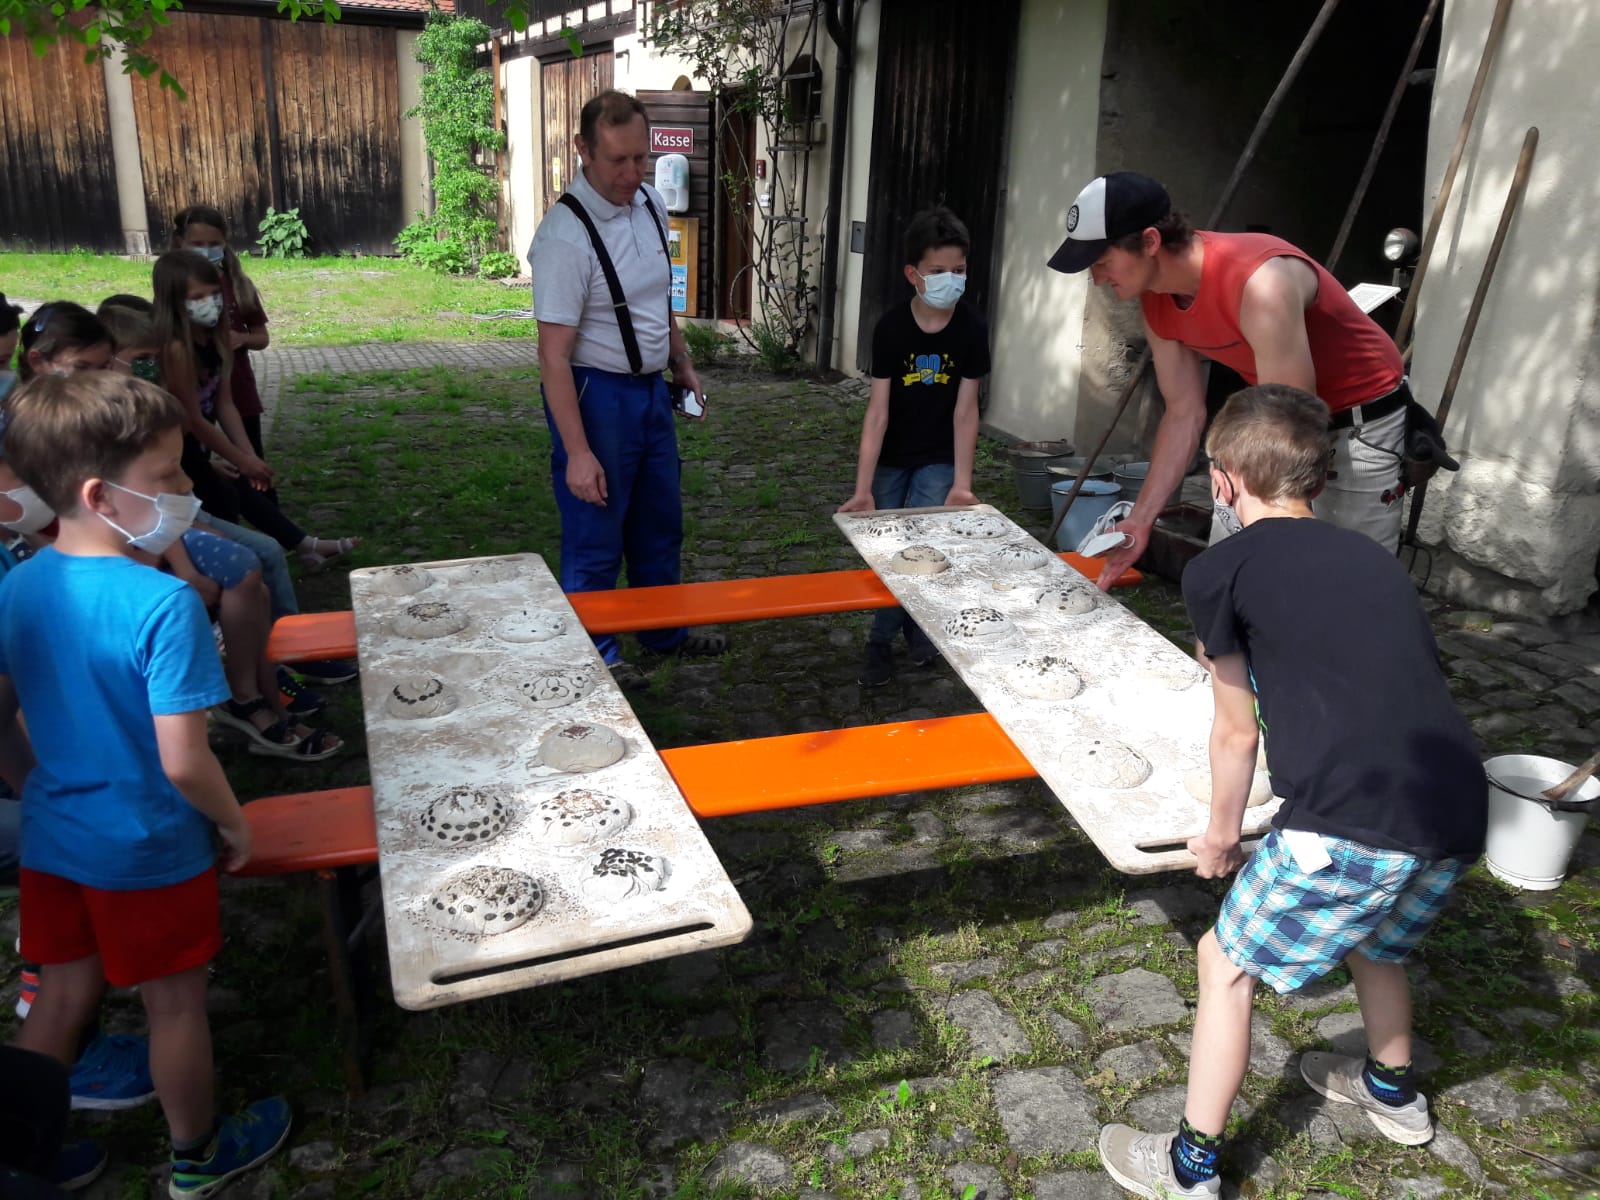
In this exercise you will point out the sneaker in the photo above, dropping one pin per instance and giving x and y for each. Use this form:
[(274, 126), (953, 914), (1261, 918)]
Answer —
[(877, 668), (242, 1142), (1338, 1077), (112, 1073), (28, 991), (327, 671), (1142, 1163), (78, 1164), (298, 700), (923, 652)]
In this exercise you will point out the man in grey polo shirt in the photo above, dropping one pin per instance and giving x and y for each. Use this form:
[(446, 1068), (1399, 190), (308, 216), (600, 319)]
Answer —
[(601, 282)]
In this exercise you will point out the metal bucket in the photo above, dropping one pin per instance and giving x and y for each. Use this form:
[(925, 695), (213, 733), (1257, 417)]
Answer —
[(1030, 464), (1529, 846)]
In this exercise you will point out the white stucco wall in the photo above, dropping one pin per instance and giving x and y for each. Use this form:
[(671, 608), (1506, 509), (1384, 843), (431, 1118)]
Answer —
[(416, 191), (1519, 526), (857, 180), (519, 98), (1037, 323)]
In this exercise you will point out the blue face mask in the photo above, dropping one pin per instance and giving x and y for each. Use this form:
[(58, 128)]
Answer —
[(212, 254), (8, 380), (942, 289)]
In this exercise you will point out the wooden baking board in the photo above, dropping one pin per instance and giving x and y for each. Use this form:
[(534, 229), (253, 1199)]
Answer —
[(1138, 689), (490, 741)]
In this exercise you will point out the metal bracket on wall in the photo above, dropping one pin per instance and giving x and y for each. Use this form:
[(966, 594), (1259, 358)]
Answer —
[(858, 237)]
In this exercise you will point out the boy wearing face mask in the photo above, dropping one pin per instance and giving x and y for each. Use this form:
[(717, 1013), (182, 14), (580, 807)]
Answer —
[(122, 796), (921, 429)]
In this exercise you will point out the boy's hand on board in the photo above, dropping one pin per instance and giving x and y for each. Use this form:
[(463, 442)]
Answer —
[(1218, 856), (860, 502)]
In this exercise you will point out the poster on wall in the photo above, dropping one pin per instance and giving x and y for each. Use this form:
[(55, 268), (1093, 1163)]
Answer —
[(683, 253)]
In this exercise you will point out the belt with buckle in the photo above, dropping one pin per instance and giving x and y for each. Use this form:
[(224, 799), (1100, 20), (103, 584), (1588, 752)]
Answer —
[(1373, 410)]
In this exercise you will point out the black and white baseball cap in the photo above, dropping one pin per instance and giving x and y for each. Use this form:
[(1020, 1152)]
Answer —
[(1111, 207)]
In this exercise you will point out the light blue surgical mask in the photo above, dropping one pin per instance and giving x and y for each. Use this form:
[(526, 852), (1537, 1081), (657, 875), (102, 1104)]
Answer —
[(8, 380), (942, 289), (212, 254), (175, 513), (35, 515)]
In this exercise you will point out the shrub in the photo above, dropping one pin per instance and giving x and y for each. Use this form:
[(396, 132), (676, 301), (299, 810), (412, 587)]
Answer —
[(499, 264), (773, 348), (283, 234), (705, 343)]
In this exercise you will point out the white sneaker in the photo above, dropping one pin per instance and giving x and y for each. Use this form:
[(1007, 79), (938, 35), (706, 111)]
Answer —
[(1338, 1077), (1142, 1163)]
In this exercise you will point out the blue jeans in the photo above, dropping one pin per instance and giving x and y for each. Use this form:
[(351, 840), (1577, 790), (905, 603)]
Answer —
[(274, 563), (906, 487), (628, 421)]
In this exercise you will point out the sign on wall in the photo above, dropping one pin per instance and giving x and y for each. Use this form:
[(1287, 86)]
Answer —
[(671, 139)]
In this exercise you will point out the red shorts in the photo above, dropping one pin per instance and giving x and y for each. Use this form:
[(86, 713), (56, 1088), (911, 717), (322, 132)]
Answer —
[(139, 935)]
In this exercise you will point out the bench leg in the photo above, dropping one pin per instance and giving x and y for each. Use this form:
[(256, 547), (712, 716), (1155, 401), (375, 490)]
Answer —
[(340, 895)]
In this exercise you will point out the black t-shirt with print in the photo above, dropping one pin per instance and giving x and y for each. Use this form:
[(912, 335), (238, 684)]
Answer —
[(1363, 739), (925, 371)]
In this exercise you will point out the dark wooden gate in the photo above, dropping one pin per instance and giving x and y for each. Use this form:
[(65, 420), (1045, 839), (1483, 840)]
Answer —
[(302, 114), (566, 85), (58, 179), (938, 137)]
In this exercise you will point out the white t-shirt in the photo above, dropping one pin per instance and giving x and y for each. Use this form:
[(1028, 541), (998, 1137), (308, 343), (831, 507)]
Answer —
[(569, 288)]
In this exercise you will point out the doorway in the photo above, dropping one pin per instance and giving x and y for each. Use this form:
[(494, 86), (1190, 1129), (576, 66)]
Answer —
[(736, 200), (566, 84)]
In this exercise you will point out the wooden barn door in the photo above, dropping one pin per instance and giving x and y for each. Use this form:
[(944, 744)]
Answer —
[(938, 137), (566, 84), (58, 180)]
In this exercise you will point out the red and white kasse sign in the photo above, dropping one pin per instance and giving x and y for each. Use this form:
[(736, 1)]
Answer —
[(671, 139)]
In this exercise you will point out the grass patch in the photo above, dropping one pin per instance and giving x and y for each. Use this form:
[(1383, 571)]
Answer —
[(310, 302)]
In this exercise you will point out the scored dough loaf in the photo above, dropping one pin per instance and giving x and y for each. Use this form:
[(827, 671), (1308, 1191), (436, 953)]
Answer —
[(919, 560), (430, 619), (419, 696), (581, 747)]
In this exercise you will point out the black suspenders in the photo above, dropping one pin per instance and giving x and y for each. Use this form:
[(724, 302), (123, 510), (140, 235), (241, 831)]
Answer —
[(619, 300)]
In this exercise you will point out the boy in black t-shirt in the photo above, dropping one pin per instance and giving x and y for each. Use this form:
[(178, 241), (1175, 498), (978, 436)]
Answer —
[(921, 427), (1384, 797)]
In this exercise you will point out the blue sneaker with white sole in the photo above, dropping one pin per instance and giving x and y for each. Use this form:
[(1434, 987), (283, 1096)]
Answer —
[(242, 1142), (78, 1164), (112, 1073)]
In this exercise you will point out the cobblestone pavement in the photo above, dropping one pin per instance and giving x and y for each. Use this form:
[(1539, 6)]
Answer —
[(946, 993)]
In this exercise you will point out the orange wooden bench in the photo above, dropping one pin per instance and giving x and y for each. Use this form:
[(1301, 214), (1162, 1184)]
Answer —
[(628, 610)]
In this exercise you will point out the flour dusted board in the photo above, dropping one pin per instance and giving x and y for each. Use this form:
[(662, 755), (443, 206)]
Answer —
[(1111, 714), (501, 871)]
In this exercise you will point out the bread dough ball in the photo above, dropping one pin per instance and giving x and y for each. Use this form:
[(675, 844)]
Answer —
[(552, 689), (894, 527), (531, 625), (1026, 555), (1198, 781), (1176, 671), (581, 747), (919, 560), (464, 815), (493, 570), (1068, 600), (617, 874), (430, 619), (419, 696), (977, 623), (581, 815), (980, 526), (1103, 763), (404, 580), (1044, 677), (483, 901)]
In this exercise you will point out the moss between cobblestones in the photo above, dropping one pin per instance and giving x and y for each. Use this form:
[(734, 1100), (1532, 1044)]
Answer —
[(533, 1093)]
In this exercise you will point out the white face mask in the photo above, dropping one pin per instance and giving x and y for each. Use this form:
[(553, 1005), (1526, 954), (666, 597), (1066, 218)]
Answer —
[(36, 514), (175, 512), (942, 289), (207, 311)]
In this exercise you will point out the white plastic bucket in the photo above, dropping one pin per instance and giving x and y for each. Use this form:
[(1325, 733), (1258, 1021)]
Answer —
[(1096, 497), (1529, 846)]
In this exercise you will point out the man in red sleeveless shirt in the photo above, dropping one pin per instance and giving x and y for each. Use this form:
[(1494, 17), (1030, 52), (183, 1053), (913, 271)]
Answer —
[(1268, 310)]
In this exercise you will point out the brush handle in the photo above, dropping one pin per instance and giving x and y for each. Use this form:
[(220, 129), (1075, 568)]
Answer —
[(1563, 789)]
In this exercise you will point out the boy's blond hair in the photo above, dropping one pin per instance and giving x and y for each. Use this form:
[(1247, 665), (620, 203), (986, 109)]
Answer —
[(1273, 439), (63, 430)]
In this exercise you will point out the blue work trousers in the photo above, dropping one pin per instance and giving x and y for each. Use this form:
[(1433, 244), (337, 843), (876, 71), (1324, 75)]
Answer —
[(628, 420), (906, 487)]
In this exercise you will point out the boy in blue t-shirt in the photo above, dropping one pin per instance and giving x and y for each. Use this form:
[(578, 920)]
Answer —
[(121, 794), (1385, 800), (920, 433)]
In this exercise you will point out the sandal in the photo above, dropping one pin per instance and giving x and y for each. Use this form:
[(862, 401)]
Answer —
[(314, 560), (268, 740), (313, 746)]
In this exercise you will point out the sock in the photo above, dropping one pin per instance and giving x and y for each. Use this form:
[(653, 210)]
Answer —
[(1394, 1086), (1194, 1154), (195, 1148)]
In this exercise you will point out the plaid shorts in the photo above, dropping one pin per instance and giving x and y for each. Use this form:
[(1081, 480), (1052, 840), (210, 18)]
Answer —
[(1289, 927)]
